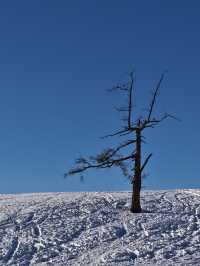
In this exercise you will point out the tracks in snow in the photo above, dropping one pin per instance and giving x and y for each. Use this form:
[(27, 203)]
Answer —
[(98, 229), (23, 226), (10, 255)]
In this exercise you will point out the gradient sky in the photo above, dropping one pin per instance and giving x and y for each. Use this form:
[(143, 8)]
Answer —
[(58, 58)]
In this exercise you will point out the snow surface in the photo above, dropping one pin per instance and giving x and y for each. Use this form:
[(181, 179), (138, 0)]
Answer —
[(98, 229)]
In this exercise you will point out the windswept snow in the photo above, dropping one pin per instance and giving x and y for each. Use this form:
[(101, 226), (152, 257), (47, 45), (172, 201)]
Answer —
[(98, 229)]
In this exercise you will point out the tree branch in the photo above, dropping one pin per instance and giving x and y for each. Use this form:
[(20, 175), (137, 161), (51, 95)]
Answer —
[(120, 132), (121, 146), (106, 164), (154, 97), (145, 162), (130, 106), (153, 122)]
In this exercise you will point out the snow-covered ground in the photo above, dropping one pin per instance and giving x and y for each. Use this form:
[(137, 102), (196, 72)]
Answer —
[(98, 229)]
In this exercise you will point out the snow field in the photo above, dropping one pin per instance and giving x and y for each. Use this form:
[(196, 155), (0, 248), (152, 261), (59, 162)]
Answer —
[(97, 229)]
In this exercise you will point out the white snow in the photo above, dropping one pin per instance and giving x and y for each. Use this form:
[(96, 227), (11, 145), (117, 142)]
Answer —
[(97, 229)]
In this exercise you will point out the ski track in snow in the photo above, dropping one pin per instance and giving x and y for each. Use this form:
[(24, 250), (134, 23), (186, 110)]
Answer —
[(97, 229)]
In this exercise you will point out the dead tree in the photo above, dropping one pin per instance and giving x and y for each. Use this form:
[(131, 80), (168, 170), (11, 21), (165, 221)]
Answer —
[(131, 163)]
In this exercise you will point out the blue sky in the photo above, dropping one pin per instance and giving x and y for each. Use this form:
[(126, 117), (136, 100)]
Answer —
[(58, 58)]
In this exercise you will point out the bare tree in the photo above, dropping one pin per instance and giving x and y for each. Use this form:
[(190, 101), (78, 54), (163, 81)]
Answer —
[(127, 155)]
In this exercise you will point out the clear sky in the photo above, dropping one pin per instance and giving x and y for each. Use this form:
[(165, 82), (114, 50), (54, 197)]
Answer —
[(58, 58)]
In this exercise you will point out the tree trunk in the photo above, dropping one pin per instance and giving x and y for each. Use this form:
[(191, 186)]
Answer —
[(135, 204)]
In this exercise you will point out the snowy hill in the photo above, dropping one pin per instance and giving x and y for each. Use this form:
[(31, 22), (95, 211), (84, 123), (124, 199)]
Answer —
[(98, 229)]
